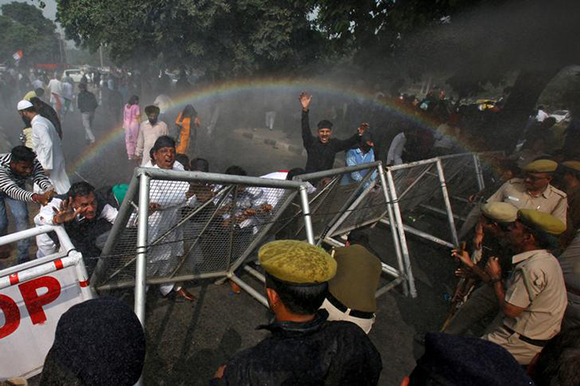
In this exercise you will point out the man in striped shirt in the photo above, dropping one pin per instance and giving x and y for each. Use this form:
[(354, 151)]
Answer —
[(16, 168)]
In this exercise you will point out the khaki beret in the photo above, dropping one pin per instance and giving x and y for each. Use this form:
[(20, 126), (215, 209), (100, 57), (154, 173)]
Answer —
[(575, 165), (541, 221), (541, 166), (500, 212), (297, 262)]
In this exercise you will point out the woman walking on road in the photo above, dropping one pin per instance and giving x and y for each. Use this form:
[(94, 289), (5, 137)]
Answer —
[(187, 123), (131, 120)]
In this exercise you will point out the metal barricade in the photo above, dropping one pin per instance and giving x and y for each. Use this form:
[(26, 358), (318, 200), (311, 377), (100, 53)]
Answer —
[(415, 184), (350, 198), (175, 226), (33, 296)]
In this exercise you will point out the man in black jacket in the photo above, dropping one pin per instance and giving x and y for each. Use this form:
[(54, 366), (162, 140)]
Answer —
[(304, 348), (87, 106), (322, 150)]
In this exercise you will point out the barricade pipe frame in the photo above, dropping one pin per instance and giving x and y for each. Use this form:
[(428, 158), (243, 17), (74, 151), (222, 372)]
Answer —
[(412, 185), (34, 268), (192, 225), (339, 207)]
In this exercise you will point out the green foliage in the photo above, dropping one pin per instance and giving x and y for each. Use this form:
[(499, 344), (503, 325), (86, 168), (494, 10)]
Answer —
[(223, 38), (24, 28)]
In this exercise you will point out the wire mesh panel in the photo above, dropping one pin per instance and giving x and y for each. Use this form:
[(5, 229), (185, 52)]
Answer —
[(196, 226), (461, 175), (416, 183), (336, 191)]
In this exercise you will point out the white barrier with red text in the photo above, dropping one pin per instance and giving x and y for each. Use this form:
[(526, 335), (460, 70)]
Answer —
[(33, 296)]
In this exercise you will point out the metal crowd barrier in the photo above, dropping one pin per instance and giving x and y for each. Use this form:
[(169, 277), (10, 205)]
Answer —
[(33, 296), (175, 226)]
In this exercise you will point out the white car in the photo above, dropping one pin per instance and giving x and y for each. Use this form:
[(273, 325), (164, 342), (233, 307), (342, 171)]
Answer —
[(75, 74), (561, 115)]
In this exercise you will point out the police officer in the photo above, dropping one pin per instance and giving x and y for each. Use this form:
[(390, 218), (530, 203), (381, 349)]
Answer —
[(534, 299), (496, 217), (351, 292), (534, 191), (303, 348)]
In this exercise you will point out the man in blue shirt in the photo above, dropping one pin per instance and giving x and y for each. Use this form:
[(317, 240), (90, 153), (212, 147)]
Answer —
[(363, 154)]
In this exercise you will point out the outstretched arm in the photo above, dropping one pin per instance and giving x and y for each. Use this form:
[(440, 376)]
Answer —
[(307, 137), (345, 144)]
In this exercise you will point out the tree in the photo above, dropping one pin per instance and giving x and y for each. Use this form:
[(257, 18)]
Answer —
[(24, 28), (223, 38)]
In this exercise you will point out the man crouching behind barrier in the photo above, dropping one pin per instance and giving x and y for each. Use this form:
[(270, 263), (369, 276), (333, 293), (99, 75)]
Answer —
[(304, 347), (166, 198)]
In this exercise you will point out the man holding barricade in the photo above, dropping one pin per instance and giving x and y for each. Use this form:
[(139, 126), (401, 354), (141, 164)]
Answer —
[(304, 347), (534, 191), (321, 151), (167, 198), (495, 219), (533, 300), (84, 215), (16, 168)]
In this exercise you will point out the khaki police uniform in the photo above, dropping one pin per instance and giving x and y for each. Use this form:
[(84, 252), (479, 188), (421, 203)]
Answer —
[(552, 201), (351, 292), (570, 263), (536, 284)]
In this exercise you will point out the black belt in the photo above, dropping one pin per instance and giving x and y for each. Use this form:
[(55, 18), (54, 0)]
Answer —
[(535, 342), (354, 313)]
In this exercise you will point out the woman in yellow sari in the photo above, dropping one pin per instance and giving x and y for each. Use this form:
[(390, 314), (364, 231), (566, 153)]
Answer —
[(187, 122)]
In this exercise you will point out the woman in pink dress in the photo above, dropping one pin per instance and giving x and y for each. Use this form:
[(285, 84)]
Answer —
[(131, 120)]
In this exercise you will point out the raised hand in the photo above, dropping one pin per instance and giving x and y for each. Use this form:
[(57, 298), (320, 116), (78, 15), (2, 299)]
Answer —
[(66, 212), (305, 100), (492, 268), (362, 128), (463, 257)]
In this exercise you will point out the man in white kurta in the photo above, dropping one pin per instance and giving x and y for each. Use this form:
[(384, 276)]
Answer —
[(47, 146), (166, 199)]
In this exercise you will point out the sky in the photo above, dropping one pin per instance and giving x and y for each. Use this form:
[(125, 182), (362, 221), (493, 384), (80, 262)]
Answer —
[(49, 11)]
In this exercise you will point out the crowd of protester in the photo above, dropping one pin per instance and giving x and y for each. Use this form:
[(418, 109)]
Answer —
[(523, 253)]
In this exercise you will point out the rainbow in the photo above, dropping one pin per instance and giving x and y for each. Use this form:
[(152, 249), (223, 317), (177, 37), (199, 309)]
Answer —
[(227, 89)]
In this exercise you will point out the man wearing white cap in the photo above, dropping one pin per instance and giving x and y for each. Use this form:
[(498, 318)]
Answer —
[(47, 146)]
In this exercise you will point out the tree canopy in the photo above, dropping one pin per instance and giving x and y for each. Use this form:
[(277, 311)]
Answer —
[(223, 38), (24, 28)]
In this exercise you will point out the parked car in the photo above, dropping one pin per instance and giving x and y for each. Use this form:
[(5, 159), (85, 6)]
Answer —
[(561, 115), (76, 74)]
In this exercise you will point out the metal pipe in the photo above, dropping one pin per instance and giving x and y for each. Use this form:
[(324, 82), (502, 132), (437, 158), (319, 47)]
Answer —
[(255, 273), (394, 233), (306, 214), (388, 287), (422, 234), (252, 292), (87, 292), (117, 229), (27, 233), (441, 211), (163, 280), (142, 229), (334, 172), (333, 243), (478, 172), (34, 272), (224, 179), (401, 231), (445, 193), (391, 271), (412, 164)]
